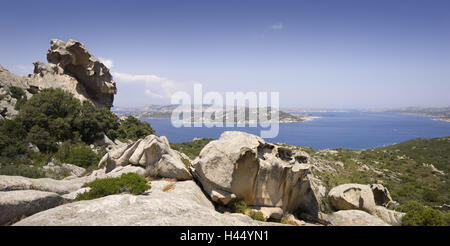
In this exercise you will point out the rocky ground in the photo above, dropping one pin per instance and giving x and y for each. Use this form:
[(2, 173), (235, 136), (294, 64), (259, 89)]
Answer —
[(272, 179)]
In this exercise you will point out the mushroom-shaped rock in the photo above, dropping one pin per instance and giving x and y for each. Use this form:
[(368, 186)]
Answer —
[(71, 67)]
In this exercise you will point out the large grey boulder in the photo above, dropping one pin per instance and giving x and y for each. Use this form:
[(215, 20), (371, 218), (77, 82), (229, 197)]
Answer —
[(352, 196), (241, 165), (353, 218), (16, 204), (184, 204), (391, 217), (53, 170), (152, 153)]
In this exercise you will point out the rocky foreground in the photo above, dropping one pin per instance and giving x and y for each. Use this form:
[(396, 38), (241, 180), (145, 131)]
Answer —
[(273, 179)]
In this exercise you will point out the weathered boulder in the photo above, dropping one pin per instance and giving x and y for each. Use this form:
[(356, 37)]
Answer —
[(153, 153), (353, 218), (72, 58), (16, 204), (389, 216), (352, 196), (53, 170), (183, 205), (8, 79), (381, 195), (241, 165)]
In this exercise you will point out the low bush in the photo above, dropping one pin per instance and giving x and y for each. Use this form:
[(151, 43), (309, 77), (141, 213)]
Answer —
[(82, 156), (22, 170), (191, 149), (238, 206), (257, 215), (127, 183), (134, 129), (419, 215), (19, 94)]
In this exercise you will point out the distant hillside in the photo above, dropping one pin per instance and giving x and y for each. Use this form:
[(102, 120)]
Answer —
[(413, 170), (442, 114), (165, 111)]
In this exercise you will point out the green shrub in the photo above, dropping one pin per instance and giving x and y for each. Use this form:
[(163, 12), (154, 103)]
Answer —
[(82, 156), (191, 149), (12, 138), (257, 215), (419, 215), (42, 139), (22, 170), (238, 206), (134, 129), (19, 94), (128, 182)]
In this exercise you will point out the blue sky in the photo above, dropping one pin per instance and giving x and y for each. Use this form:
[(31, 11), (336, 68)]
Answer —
[(316, 54)]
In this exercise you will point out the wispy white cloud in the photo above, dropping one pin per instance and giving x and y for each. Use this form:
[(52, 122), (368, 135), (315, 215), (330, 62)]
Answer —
[(154, 86), (24, 69), (277, 26), (108, 62)]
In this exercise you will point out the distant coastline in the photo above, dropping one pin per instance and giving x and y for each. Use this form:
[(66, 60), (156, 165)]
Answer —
[(165, 112), (438, 114)]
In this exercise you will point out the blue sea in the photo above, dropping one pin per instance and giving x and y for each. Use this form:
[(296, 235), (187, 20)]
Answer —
[(350, 130)]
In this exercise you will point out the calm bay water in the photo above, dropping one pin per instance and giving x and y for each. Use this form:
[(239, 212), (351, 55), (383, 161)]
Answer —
[(352, 130)]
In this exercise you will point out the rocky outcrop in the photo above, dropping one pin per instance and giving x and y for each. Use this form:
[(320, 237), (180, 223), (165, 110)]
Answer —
[(353, 218), (21, 196), (241, 165), (183, 205), (366, 198), (65, 186), (352, 196), (7, 102), (381, 195), (152, 153), (70, 67), (73, 68), (73, 58), (16, 204)]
